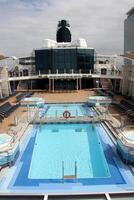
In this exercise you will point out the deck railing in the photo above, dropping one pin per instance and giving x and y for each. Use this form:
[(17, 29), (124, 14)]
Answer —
[(71, 74), (97, 118)]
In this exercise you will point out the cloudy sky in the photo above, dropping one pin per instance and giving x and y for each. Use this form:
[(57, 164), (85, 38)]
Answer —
[(25, 23)]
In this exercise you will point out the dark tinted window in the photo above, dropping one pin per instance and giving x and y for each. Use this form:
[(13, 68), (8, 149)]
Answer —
[(64, 60)]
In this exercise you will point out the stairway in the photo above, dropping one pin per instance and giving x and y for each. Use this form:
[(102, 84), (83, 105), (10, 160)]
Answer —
[(106, 84), (22, 85)]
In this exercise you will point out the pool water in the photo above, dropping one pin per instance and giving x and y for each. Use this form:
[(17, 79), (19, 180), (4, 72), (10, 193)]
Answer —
[(130, 136), (57, 110), (4, 138), (68, 143)]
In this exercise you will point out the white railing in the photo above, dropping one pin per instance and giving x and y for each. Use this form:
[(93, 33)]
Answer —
[(65, 75), (97, 118)]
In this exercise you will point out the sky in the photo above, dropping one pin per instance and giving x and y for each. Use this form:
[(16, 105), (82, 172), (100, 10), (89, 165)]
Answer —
[(25, 23)]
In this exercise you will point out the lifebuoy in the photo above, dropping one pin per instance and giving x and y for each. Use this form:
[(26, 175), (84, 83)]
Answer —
[(66, 114)]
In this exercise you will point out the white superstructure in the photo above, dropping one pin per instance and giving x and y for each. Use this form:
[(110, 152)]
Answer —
[(80, 43)]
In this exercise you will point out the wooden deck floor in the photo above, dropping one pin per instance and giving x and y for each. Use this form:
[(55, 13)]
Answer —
[(57, 97)]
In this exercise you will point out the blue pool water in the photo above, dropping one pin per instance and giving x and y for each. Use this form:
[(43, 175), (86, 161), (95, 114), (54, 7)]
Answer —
[(68, 143), (57, 110), (2, 140), (130, 136)]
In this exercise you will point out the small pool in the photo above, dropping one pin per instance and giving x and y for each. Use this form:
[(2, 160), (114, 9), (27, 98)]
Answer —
[(125, 147), (33, 101), (130, 136), (8, 150), (4, 138), (57, 110)]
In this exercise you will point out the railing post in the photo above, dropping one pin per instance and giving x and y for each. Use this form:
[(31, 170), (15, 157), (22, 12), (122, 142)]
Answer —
[(53, 84), (15, 120), (79, 71), (31, 85), (76, 113), (80, 83), (49, 84), (27, 113), (75, 170), (122, 123), (63, 171), (77, 86)]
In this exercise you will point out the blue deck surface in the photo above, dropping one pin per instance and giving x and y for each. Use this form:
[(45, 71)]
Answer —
[(23, 180)]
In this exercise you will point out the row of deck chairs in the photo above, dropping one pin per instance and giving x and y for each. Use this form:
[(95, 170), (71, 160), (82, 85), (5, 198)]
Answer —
[(127, 108), (102, 92), (5, 98), (23, 95), (6, 109), (131, 117)]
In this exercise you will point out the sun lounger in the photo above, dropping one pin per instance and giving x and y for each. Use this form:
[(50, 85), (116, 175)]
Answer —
[(6, 109)]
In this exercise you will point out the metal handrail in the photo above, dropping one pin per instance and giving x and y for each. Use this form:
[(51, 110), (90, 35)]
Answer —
[(79, 74), (71, 175), (72, 118)]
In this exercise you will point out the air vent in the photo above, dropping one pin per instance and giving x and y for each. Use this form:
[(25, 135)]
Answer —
[(78, 130), (55, 130)]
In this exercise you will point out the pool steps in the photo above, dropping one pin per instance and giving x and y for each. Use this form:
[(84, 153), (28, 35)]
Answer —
[(69, 176)]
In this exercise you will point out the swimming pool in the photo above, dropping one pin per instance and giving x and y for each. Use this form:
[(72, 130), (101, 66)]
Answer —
[(57, 110), (33, 101), (9, 150), (40, 166), (130, 136), (4, 138), (125, 147), (69, 143), (47, 146)]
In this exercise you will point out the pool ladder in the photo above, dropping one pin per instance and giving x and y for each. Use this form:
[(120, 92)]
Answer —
[(71, 176)]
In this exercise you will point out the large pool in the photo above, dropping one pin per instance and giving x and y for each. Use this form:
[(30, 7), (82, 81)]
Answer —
[(69, 143)]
